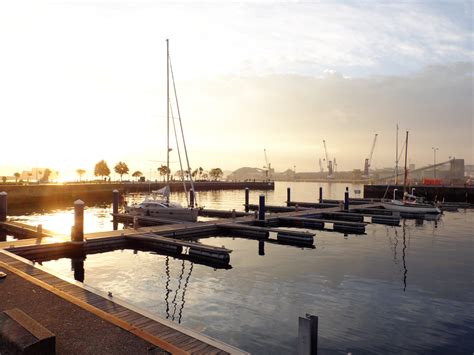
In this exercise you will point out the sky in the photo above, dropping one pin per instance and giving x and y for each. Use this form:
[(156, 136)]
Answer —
[(82, 81)]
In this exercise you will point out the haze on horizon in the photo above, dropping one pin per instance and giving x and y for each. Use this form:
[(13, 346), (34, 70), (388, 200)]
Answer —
[(82, 81)]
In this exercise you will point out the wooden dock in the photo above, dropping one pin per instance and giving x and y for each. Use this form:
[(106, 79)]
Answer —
[(163, 333), (170, 237)]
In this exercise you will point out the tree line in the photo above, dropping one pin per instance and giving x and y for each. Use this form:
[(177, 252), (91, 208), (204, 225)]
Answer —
[(121, 168)]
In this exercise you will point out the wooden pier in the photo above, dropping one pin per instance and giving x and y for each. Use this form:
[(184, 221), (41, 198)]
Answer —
[(163, 333)]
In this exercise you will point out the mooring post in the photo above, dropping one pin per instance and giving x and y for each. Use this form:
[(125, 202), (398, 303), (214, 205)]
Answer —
[(233, 213), (246, 199), (115, 208), (3, 206), (78, 230), (308, 335), (346, 200), (116, 200), (39, 230), (261, 208), (288, 196), (191, 198), (320, 194)]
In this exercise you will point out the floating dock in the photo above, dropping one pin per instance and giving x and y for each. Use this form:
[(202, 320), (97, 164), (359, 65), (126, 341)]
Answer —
[(168, 237)]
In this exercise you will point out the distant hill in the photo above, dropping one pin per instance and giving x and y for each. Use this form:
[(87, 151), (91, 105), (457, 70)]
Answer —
[(247, 173)]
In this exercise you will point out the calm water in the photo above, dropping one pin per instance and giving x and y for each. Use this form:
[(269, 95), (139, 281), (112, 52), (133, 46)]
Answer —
[(396, 289)]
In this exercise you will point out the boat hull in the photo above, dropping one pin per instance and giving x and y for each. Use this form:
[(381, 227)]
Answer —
[(180, 214), (411, 209)]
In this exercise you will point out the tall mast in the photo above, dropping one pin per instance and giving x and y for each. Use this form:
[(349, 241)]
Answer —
[(167, 111), (406, 170), (396, 160)]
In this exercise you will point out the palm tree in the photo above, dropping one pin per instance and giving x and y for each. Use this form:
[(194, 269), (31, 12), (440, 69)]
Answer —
[(137, 174), (17, 176), (164, 170), (80, 172)]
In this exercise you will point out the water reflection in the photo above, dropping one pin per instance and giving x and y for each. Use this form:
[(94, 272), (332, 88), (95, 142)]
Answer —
[(77, 265), (261, 247), (405, 270), (177, 305)]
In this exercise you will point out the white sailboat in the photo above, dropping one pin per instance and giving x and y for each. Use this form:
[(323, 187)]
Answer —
[(410, 203), (158, 203)]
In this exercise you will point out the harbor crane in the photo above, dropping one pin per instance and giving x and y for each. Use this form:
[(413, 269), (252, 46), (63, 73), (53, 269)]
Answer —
[(267, 167), (368, 160), (329, 162)]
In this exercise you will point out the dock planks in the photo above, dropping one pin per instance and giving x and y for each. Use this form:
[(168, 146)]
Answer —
[(171, 337)]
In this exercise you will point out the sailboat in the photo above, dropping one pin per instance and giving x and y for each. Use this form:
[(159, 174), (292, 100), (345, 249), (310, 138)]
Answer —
[(410, 203), (158, 204)]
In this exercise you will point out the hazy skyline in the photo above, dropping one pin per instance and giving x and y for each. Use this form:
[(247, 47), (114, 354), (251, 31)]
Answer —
[(82, 81)]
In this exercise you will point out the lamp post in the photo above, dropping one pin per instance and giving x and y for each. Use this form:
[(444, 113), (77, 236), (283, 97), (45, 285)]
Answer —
[(434, 160)]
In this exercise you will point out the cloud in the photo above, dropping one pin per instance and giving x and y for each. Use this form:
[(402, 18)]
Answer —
[(290, 115)]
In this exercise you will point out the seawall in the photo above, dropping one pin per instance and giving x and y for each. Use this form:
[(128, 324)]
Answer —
[(431, 193), (47, 196)]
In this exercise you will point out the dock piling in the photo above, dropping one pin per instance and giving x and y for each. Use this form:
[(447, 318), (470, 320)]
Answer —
[(191, 198), (39, 230), (261, 208), (308, 335), (115, 207), (3, 206), (346, 199), (78, 230), (320, 194), (288, 196), (247, 199)]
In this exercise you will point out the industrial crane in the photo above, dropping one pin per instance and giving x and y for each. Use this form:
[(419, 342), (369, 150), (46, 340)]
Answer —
[(268, 166), (368, 160), (335, 165), (328, 161)]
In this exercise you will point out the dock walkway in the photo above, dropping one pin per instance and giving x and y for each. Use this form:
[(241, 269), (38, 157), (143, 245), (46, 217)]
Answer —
[(163, 333)]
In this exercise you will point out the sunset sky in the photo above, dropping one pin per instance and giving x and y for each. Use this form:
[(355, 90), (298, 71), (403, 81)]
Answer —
[(82, 81)]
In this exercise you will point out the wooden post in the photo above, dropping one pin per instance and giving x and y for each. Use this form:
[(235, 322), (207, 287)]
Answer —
[(39, 230), (320, 194), (78, 231), (261, 208), (191, 198), (288, 196), (3, 206), (346, 200), (246, 199), (308, 335), (233, 213), (116, 199)]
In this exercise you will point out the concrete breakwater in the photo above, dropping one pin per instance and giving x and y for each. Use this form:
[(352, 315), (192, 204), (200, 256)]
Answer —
[(431, 193), (60, 195)]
